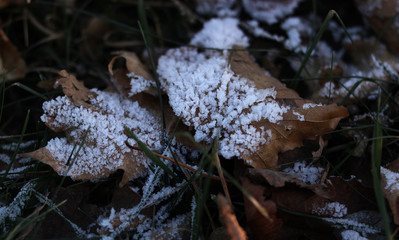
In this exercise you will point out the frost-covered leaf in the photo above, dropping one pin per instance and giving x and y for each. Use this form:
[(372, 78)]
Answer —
[(12, 66), (270, 11), (371, 60), (227, 94), (95, 120), (227, 217), (390, 184), (381, 15)]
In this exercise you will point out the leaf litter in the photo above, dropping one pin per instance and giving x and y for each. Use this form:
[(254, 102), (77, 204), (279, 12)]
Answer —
[(218, 90)]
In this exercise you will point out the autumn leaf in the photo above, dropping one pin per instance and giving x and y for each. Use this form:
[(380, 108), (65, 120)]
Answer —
[(93, 122), (12, 66), (389, 182), (259, 226), (227, 94), (228, 218), (141, 80), (379, 15)]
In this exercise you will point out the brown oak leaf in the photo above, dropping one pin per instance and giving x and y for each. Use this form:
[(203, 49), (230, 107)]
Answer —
[(135, 78), (93, 122), (227, 94)]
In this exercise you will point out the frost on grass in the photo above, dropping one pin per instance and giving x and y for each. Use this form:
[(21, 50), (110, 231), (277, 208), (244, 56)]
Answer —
[(15, 208), (371, 62), (351, 235), (225, 94), (94, 145), (145, 227)]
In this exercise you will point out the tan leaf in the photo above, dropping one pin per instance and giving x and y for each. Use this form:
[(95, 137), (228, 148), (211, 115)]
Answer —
[(228, 218), (136, 79), (257, 116), (95, 120), (12, 66), (299, 123), (390, 184), (259, 226)]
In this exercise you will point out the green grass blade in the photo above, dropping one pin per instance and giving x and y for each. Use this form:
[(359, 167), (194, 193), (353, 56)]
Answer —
[(149, 154), (376, 154), (144, 29), (319, 34), (26, 221), (30, 90)]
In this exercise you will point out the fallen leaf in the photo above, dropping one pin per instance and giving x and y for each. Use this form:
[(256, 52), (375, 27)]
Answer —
[(228, 94), (379, 15), (74, 89), (270, 11), (370, 59), (93, 122), (304, 119), (12, 66), (228, 218), (390, 184), (141, 80), (260, 227)]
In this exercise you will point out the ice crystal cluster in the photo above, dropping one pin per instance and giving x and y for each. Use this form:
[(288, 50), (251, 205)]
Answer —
[(209, 96), (334, 209), (308, 174), (103, 124)]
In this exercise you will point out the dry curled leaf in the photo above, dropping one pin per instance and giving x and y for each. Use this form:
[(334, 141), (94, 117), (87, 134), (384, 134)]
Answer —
[(12, 66), (95, 120), (228, 218)]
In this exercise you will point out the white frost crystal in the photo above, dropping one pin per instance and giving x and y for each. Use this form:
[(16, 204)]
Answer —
[(209, 96), (220, 33), (104, 146)]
